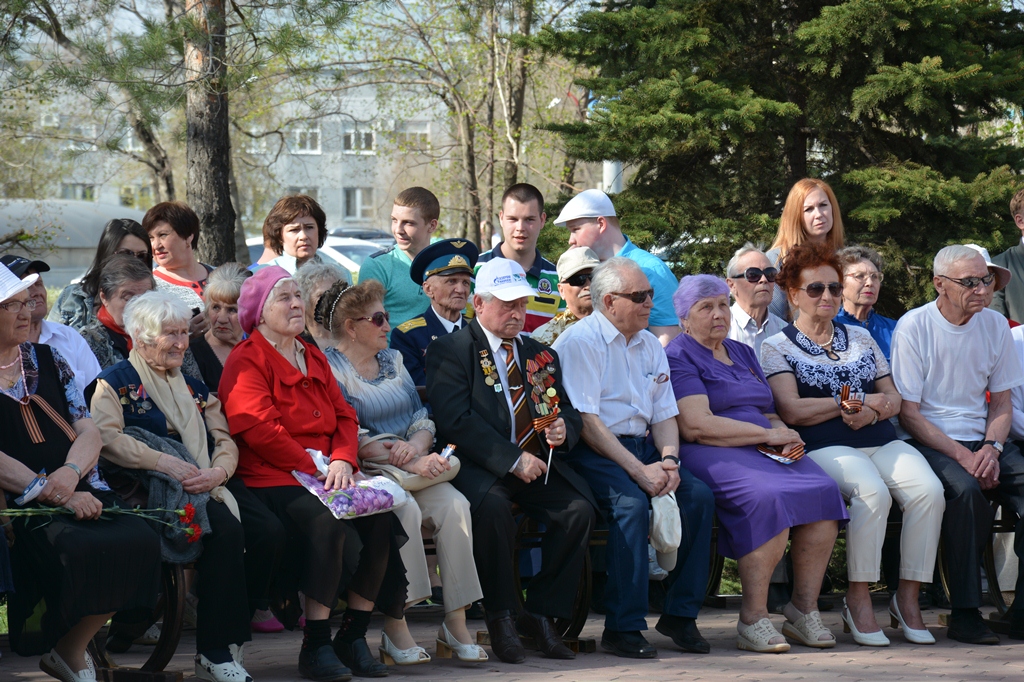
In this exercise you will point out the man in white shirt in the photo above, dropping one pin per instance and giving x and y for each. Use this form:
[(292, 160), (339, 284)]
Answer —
[(66, 340), (616, 374), (946, 356), (751, 280)]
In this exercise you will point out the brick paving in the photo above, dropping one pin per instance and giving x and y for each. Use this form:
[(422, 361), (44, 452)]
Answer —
[(272, 658)]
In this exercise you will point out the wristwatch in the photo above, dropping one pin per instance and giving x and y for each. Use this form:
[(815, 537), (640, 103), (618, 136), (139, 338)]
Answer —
[(994, 443), (671, 458)]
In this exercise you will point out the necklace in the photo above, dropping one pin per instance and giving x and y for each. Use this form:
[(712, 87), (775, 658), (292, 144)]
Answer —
[(17, 358), (827, 346)]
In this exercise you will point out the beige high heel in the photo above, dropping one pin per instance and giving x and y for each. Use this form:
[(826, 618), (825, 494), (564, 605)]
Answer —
[(447, 645)]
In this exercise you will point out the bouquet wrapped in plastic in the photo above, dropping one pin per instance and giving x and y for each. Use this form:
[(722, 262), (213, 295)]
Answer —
[(370, 495)]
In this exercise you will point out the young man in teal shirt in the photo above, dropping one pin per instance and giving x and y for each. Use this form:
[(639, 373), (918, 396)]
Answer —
[(413, 221)]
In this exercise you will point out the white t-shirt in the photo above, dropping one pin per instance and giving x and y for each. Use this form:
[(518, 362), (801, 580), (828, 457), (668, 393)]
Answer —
[(948, 368)]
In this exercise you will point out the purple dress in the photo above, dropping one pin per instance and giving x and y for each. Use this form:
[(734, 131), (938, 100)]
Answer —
[(756, 498)]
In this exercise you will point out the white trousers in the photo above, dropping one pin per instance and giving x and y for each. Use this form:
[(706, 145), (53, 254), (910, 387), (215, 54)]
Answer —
[(870, 479), (443, 511)]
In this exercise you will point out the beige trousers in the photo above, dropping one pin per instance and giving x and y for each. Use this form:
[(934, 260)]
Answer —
[(444, 511), (870, 479)]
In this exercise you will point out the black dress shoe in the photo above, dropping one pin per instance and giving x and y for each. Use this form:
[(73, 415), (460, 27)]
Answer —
[(1015, 617), (967, 626), (504, 639), (684, 632), (628, 644), (356, 655), (542, 630), (322, 664)]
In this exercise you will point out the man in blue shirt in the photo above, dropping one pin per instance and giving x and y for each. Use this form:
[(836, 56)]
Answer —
[(591, 220)]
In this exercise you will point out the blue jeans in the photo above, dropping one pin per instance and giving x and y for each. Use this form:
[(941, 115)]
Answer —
[(625, 508)]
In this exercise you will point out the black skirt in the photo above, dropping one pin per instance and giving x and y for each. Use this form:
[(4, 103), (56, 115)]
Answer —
[(66, 569)]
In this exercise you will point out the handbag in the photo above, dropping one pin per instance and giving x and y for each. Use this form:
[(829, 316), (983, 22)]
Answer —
[(409, 481)]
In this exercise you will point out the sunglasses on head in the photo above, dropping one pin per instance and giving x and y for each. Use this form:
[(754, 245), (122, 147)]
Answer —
[(972, 282), (753, 275), (378, 318), (816, 289), (636, 296), (579, 279)]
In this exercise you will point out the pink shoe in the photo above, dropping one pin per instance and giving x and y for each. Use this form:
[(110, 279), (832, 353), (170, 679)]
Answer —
[(265, 621), (302, 621)]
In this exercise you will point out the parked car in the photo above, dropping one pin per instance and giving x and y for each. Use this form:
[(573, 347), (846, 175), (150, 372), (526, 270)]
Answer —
[(348, 253), (375, 236)]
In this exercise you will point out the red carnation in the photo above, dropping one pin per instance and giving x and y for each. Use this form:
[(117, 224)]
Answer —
[(187, 514), (194, 532)]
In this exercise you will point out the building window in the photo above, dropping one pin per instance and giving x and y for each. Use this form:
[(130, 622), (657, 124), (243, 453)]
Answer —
[(305, 140), (308, 191), (82, 138), (136, 196), (50, 120), (130, 143), (78, 191), (413, 135), (357, 141), (359, 203)]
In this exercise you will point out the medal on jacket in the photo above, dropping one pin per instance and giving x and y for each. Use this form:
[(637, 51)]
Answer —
[(540, 373), (490, 371)]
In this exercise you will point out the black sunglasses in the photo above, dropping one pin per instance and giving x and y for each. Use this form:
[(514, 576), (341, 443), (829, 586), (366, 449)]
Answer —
[(816, 289), (378, 318), (753, 275), (972, 282), (579, 279), (636, 296)]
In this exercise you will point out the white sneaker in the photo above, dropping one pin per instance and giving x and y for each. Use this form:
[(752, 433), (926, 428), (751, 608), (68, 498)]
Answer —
[(220, 672), (150, 636)]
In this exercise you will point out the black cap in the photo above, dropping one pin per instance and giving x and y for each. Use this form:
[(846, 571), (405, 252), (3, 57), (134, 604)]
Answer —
[(19, 266), (444, 258)]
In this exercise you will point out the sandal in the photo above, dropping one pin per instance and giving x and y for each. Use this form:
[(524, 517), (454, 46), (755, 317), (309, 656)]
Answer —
[(807, 629), (54, 666), (758, 637)]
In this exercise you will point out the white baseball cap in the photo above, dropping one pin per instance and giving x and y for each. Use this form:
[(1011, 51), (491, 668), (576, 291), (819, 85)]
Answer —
[(11, 285), (503, 278), (1003, 275), (591, 203)]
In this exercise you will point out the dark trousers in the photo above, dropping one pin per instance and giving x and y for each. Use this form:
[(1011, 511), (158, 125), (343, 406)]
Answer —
[(316, 551), (568, 517), (222, 617), (967, 523), (265, 540), (625, 507)]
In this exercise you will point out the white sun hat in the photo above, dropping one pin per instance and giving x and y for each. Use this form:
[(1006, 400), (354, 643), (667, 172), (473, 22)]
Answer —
[(11, 285)]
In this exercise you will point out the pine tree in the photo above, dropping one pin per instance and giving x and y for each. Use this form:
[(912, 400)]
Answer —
[(906, 107)]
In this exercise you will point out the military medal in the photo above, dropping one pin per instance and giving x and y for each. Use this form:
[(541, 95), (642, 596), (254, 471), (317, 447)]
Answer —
[(490, 371)]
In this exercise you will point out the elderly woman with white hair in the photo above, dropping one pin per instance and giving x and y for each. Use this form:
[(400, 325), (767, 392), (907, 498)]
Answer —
[(282, 400), (211, 349), (726, 413), (148, 391), (314, 278)]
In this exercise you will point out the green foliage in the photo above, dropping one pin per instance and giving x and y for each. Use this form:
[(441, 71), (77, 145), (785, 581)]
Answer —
[(910, 109)]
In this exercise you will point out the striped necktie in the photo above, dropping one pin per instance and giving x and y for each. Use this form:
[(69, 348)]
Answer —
[(525, 435)]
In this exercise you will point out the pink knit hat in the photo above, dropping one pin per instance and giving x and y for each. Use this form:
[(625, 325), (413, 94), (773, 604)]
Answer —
[(253, 296)]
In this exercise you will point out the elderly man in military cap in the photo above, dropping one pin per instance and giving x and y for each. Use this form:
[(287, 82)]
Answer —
[(574, 268), (445, 270)]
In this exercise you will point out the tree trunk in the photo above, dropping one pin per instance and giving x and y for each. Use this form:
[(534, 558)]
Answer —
[(241, 250), (156, 157), (517, 94), (208, 145), (472, 186), (487, 227)]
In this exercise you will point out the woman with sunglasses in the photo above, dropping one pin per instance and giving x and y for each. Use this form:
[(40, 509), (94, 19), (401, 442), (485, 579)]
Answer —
[(374, 380), (76, 305), (833, 385), (811, 216), (282, 400), (862, 283), (751, 280)]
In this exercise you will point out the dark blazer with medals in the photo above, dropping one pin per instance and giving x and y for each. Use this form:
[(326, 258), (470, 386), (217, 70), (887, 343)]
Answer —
[(471, 414)]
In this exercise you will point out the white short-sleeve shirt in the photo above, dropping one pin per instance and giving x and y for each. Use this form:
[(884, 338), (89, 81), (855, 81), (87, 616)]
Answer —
[(625, 383), (948, 368)]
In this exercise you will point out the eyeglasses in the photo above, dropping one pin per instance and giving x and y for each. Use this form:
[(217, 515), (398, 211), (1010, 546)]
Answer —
[(875, 277), (16, 306), (972, 282), (141, 255), (636, 296), (754, 275), (579, 279), (816, 289), (378, 318)]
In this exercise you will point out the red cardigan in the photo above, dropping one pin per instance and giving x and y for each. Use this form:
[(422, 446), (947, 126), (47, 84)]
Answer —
[(275, 413)]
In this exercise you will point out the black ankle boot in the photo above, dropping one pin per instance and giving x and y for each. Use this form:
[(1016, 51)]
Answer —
[(351, 648)]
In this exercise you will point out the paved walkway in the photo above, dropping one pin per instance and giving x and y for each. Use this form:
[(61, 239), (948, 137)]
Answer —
[(272, 658)]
